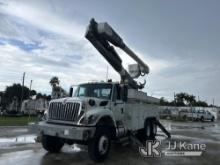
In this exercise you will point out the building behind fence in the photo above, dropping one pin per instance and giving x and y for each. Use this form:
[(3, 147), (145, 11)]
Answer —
[(34, 106), (175, 110)]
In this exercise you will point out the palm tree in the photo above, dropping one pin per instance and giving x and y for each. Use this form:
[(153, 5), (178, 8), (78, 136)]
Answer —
[(54, 81), (180, 98), (57, 91), (191, 99)]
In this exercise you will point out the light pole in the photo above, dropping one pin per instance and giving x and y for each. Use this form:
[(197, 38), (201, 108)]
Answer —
[(30, 88), (22, 88)]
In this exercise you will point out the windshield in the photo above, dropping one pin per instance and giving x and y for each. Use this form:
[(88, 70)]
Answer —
[(102, 91)]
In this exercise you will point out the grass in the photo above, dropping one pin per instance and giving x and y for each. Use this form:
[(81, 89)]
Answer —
[(17, 121)]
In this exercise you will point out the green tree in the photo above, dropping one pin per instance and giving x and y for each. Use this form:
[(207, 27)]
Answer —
[(49, 97), (183, 99), (54, 81), (190, 99), (33, 92), (43, 96), (16, 91), (180, 99), (201, 104), (164, 102), (39, 95)]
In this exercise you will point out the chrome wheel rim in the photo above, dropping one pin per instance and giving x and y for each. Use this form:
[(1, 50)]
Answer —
[(103, 144)]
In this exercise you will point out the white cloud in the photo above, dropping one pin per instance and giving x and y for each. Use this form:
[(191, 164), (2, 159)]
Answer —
[(44, 19), (15, 61), (65, 52), (155, 65)]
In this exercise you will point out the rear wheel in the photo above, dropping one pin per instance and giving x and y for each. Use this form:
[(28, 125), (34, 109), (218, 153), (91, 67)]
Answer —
[(202, 119), (184, 118), (52, 144), (99, 145), (213, 119)]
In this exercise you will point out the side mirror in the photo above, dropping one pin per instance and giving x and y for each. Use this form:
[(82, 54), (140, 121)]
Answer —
[(71, 92), (124, 93)]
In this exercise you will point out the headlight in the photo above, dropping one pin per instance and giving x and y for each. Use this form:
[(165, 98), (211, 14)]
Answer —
[(88, 120), (92, 119)]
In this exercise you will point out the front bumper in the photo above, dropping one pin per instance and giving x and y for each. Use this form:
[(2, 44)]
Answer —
[(78, 133)]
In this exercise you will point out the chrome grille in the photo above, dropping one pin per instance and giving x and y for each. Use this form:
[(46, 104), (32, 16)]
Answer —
[(65, 112)]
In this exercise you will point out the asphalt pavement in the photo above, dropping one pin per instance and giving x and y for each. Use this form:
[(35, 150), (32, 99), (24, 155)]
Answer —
[(18, 146)]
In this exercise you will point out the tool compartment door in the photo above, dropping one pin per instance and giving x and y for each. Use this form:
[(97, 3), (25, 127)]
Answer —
[(136, 113)]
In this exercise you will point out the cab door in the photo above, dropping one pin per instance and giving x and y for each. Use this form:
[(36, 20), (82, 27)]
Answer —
[(209, 115), (118, 105)]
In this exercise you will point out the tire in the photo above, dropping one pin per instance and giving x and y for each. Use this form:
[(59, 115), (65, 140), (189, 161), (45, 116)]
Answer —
[(150, 129), (100, 144), (213, 119), (184, 118), (52, 144), (202, 119)]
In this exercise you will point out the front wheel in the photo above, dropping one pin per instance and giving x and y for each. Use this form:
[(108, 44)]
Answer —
[(52, 144), (99, 145)]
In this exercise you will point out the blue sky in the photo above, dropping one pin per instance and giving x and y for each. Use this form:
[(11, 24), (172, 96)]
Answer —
[(179, 40)]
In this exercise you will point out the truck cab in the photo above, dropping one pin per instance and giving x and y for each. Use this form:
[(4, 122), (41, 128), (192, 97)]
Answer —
[(203, 115), (100, 97)]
